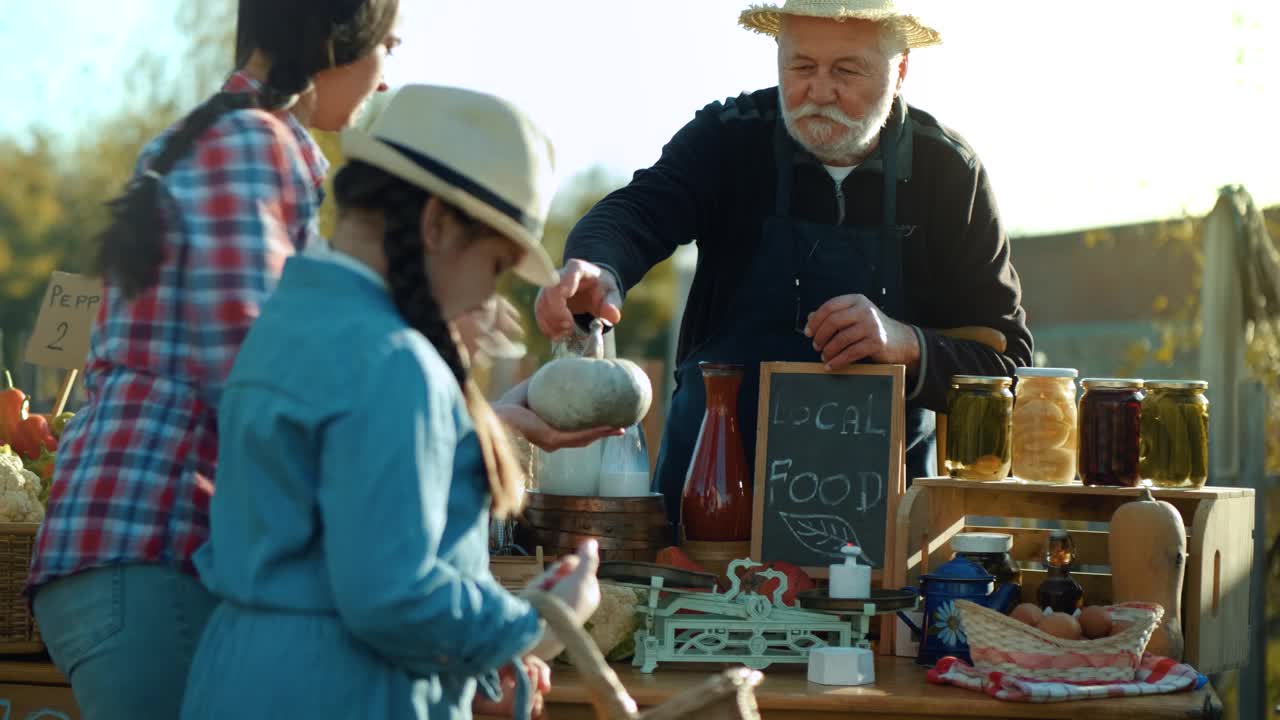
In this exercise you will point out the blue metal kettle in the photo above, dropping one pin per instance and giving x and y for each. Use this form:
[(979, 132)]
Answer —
[(942, 635)]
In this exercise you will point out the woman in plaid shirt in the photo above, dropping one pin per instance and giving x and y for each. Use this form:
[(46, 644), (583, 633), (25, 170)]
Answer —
[(196, 243)]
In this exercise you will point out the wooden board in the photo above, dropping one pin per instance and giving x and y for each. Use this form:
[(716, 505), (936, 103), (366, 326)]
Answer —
[(1216, 598), (900, 691), (829, 463), (1014, 499), (1169, 494), (1029, 544), (1097, 586)]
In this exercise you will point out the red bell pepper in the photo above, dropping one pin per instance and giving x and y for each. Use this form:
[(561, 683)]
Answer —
[(13, 409), (797, 582), (676, 558), (33, 437)]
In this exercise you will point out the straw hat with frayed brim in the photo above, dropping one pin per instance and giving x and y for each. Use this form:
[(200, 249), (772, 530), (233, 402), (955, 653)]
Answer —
[(474, 151), (767, 19)]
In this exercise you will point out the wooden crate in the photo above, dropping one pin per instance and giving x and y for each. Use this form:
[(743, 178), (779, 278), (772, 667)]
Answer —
[(1219, 520), (514, 572)]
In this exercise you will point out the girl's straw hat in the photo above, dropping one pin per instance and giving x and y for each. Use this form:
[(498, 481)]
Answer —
[(474, 151)]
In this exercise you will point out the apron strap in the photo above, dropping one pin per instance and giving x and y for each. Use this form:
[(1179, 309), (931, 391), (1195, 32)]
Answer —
[(890, 271), (783, 155)]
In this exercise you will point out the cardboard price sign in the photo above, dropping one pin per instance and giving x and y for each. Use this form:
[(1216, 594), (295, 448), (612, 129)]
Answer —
[(61, 336)]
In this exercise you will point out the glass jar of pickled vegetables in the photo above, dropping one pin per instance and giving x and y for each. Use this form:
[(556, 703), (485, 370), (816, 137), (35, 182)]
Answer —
[(1110, 432), (1175, 433), (979, 421), (1044, 425)]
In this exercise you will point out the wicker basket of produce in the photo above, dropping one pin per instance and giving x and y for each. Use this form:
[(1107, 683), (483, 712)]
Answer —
[(1000, 643), (729, 695), (18, 632)]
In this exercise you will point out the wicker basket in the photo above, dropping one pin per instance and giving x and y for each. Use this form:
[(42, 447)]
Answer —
[(998, 643), (18, 632), (729, 695)]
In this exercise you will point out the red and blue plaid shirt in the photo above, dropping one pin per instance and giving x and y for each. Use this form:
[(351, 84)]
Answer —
[(135, 467)]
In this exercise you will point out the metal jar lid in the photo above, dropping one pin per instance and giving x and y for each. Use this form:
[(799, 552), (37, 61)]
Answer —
[(981, 380), (980, 542), (1037, 372), (1112, 384), (1178, 384)]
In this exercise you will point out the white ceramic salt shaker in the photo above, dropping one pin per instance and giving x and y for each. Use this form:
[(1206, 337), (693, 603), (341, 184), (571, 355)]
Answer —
[(850, 580), (842, 666)]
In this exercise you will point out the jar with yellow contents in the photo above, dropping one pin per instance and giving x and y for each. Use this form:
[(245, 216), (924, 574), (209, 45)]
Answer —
[(979, 415), (1175, 434), (1044, 425)]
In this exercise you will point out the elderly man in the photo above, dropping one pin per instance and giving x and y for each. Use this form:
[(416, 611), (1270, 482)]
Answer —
[(834, 223)]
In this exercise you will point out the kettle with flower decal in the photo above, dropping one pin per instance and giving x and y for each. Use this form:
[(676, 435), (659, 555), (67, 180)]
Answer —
[(941, 634)]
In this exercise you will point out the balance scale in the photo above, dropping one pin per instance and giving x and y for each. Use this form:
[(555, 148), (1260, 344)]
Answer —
[(740, 626)]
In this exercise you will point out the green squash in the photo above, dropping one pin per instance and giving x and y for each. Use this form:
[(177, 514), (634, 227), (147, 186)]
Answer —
[(579, 393)]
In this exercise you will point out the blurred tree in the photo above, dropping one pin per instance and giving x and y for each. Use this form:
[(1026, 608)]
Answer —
[(645, 329), (1177, 313), (52, 202)]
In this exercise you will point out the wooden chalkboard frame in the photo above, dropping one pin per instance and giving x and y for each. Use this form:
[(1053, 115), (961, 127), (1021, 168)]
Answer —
[(895, 484)]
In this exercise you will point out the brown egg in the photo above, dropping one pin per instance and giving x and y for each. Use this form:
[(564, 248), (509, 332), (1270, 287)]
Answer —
[(1027, 613), (1095, 622), (1061, 625)]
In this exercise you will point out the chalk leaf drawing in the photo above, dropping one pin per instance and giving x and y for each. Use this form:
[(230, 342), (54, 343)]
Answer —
[(6, 707), (823, 534)]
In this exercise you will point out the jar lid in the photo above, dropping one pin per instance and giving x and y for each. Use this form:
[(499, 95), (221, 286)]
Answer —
[(984, 380), (1178, 384), (1038, 372), (981, 542), (1112, 384)]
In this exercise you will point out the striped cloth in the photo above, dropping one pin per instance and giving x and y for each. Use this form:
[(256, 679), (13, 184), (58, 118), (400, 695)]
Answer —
[(135, 467), (1156, 675)]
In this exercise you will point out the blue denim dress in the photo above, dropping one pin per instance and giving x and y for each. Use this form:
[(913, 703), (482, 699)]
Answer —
[(349, 529)]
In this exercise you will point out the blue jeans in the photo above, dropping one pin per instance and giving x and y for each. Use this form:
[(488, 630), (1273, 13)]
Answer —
[(124, 637)]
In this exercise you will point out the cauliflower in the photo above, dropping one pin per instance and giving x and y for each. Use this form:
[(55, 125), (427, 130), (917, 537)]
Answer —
[(19, 491), (614, 623)]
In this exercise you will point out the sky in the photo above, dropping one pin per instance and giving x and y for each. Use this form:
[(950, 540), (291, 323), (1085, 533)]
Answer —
[(1085, 114)]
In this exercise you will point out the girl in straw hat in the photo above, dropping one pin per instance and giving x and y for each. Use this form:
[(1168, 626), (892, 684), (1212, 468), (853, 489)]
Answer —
[(194, 245), (359, 466)]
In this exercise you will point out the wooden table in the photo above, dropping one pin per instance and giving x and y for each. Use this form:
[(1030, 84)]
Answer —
[(31, 684), (900, 693)]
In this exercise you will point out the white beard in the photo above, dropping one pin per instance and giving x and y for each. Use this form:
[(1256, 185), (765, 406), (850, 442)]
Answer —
[(824, 141)]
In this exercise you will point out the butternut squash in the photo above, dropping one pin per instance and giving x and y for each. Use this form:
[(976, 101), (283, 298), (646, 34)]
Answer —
[(1148, 550)]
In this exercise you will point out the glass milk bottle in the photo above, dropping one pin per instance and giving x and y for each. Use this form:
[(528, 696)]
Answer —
[(624, 465)]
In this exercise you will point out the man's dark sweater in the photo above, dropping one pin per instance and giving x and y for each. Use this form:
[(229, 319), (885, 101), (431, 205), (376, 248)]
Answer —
[(715, 184)]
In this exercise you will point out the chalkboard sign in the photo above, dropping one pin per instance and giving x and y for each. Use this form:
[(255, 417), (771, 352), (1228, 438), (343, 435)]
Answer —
[(829, 463)]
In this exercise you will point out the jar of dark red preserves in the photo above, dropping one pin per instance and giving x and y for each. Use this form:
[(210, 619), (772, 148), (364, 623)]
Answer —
[(1110, 432)]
